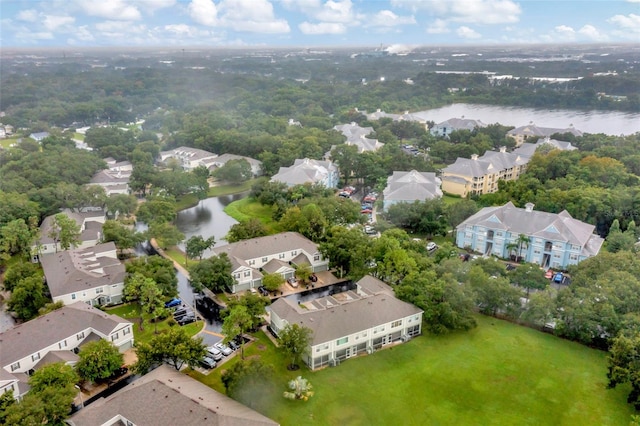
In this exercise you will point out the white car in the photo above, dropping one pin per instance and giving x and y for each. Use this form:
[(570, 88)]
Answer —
[(431, 246), (214, 353), (226, 350)]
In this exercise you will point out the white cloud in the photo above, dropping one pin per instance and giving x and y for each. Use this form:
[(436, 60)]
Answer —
[(110, 9), (28, 15), (336, 11), (53, 23), (203, 12), (386, 18), (629, 22), (467, 11), (153, 5), (118, 27), (301, 5), (592, 33), (466, 32), (322, 28), (439, 26), (565, 31), (83, 33), (34, 36), (251, 16)]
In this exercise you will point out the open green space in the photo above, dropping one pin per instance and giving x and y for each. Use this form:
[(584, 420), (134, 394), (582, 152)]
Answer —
[(249, 208), (132, 312), (190, 200), (6, 143), (497, 374)]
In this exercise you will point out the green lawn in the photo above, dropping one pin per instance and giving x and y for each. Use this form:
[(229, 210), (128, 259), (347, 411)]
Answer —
[(248, 208), (131, 312), (497, 374), (5, 143)]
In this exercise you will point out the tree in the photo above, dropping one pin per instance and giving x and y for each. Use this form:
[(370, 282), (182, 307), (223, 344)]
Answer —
[(173, 347), (345, 249), (234, 171), (523, 241), (16, 237), (294, 341), (6, 400), (255, 305), (272, 282), (122, 204), (196, 245), (529, 276), (98, 360), (494, 294), (159, 269), (213, 273), (157, 209), (64, 231), (166, 234), (299, 389), (237, 322), (49, 399), (245, 230), (123, 237), (304, 271), (17, 271), (28, 297), (249, 381), (447, 305), (624, 365)]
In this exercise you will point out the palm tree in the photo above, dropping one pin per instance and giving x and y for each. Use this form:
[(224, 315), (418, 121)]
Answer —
[(511, 247), (523, 241)]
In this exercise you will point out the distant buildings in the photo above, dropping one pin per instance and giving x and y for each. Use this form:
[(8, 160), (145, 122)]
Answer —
[(480, 175), (445, 128), (221, 160), (278, 253), (189, 158), (519, 134), (56, 337), (308, 171), (351, 323), (39, 136), (356, 136), (93, 275), (528, 149), (550, 240), (407, 187), (88, 219), (115, 179)]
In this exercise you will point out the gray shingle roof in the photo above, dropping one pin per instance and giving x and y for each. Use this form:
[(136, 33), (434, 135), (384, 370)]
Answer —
[(412, 186), (536, 224), (267, 246), (168, 397), (32, 336), (491, 162), (533, 130), (304, 171), (461, 124), (76, 270), (342, 314)]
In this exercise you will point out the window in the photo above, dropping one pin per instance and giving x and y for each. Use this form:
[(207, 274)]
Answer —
[(316, 257), (236, 275), (35, 356), (84, 294), (247, 273), (396, 323), (264, 259), (126, 331), (80, 336), (573, 257), (342, 341), (62, 344), (115, 337), (499, 234), (15, 366), (114, 286), (73, 296), (99, 290), (294, 252), (252, 262), (281, 256)]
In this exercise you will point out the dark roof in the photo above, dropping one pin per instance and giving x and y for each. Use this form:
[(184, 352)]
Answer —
[(168, 397)]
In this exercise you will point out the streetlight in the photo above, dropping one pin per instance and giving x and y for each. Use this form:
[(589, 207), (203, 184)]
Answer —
[(80, 392)]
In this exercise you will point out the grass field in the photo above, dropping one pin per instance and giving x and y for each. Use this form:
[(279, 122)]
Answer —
[(497, 374), (248, 208), (131, 312)]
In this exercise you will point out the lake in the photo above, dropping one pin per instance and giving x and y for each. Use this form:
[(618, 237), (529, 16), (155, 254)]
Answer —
[(607, 122)]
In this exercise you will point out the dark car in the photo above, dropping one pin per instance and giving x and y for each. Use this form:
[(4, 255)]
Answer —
[(187, 319), (208, 362), (173, 303), (233, 345), (313, 278), (263, 291)]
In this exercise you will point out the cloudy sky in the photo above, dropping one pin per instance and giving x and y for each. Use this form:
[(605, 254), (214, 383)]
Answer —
[(307, 23)]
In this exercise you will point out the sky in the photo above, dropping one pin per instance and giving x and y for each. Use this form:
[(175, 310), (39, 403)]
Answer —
[(309, 23)]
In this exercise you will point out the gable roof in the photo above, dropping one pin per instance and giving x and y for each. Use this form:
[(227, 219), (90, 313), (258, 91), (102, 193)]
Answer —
[(267, 246), (167, 397), (76, 270), (490, 162), (30, 337), (304, 171), (533, 130), (460, 124), (342, 314), (536, 224), (412, 186)]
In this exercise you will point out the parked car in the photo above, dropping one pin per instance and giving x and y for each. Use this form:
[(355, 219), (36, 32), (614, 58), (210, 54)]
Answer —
[(233, 345), (558, 278), (293, 282), (214, 353), (226, 350), (173, 303), (187, 319), (263, 291), (431, 246), (369, 230), (313, 278), (208, 362), (182, 311)]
